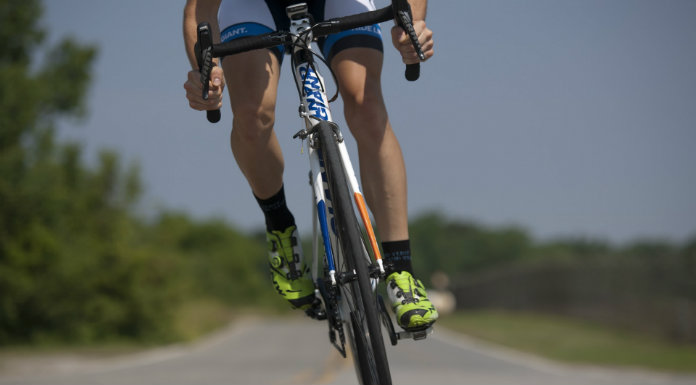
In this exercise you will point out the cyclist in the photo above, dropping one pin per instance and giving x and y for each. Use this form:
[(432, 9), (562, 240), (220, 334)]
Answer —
[(252, 80)]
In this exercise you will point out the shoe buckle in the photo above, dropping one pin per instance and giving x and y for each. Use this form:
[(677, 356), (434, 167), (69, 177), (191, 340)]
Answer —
[(276, 262), (293, 275)]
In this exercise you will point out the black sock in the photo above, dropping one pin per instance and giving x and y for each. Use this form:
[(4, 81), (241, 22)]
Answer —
[(397, 256), (275, 209)]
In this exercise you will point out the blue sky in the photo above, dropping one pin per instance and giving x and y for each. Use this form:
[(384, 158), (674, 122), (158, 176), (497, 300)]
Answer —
[(568, 118)]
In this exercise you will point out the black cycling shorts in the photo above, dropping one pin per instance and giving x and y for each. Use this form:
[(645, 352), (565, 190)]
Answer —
[(239, 18)]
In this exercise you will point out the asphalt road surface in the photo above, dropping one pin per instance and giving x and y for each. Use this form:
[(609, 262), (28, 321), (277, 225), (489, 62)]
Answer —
[(297, 351)]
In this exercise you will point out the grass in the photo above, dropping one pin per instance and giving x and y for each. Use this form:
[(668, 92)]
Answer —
[(573, 341), (193, 319), (197, 318)]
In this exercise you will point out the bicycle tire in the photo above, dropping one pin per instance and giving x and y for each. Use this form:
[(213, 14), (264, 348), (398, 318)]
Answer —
[(365, 332)]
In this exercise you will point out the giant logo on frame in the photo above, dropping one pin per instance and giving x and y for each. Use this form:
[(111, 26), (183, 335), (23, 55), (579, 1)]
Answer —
[(313, 93)]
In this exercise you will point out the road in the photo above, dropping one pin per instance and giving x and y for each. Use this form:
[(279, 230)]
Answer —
[(296, 351)]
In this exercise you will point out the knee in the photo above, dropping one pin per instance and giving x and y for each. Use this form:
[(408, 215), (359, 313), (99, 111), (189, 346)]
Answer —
[(366, 117), (252, 123)]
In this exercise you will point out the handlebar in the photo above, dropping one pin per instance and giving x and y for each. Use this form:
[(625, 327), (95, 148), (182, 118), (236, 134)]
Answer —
[(404, 19), (204, 57), (399, 11)]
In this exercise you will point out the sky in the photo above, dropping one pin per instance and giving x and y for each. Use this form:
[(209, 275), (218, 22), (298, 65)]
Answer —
[(569, 118)]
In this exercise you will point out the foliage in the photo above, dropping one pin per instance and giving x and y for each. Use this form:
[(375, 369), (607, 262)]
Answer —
[(76, 262), (572, 340), (647, 286), (219, 261), (439, 244)]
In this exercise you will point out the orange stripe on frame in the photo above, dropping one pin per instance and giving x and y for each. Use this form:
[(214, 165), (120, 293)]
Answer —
[(362, 208)]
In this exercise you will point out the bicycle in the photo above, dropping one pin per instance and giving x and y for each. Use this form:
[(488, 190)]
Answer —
[(350, 271)]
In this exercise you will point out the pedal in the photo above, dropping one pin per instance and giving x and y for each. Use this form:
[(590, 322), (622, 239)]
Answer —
[(416, 335), (317, 311), (395, 336), (318, 315)]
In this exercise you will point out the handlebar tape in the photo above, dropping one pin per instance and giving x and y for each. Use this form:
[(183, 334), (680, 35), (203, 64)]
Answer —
[(353, 21), (248, 43)]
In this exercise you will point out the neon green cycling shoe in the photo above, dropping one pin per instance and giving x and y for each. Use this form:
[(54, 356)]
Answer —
[(290, 274), (410, 302)]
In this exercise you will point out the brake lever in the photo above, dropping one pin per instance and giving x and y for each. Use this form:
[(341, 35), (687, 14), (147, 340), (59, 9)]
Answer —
[(204, 57), (404, 19)]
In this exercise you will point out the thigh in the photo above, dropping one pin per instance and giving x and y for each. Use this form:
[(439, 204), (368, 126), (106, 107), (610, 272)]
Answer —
[(252, 81), (253, 16), (251, 77), (359, 71), (364, 37)]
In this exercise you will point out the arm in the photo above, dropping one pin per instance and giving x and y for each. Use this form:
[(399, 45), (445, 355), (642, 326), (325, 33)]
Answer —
[(418, 9), (425, 35), (196, 11)]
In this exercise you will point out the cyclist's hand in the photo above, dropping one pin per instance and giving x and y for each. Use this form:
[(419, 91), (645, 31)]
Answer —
[(402, 42), (194, 90)]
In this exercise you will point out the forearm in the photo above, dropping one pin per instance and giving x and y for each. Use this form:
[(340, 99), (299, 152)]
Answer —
[(195, 12), (418, 9)]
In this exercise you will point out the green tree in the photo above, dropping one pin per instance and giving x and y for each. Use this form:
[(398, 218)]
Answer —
[(461, 248), (66, 266), (76, 262), (30, 101)]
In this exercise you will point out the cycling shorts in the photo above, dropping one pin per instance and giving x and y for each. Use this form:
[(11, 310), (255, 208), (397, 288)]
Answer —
[(240, 18)]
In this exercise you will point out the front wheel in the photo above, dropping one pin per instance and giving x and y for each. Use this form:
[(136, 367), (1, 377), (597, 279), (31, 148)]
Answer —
[(364, 331)]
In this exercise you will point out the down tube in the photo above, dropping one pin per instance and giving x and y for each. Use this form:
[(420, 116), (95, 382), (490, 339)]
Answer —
[(324, 209), (360, 203)]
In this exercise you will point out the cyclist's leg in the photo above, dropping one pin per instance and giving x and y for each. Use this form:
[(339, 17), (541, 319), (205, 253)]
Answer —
[(252, 84), (252, 81), (382, 167), (356, 58), (384, 177)]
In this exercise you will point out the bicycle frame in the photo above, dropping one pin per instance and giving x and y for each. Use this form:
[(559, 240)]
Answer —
[(314, 108)]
